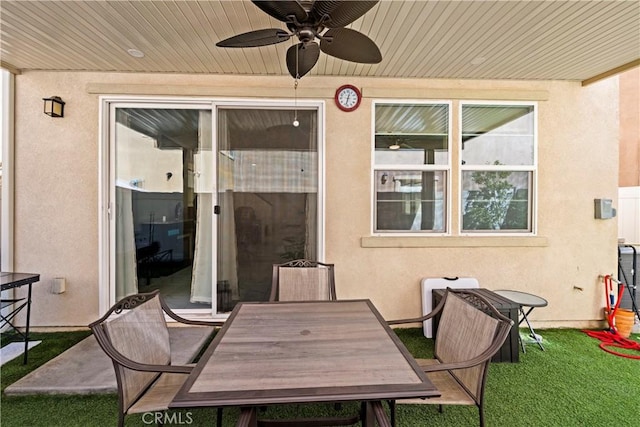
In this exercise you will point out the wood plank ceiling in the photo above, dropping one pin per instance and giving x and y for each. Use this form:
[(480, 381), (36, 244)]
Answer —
[(539, 40)]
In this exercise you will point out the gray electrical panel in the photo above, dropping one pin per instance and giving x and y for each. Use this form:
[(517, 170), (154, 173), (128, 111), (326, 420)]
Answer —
[(604, 209), (628, 264)]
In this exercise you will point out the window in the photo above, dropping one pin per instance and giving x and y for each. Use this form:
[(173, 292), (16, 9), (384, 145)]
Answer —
[(411, 164), (498, 166)]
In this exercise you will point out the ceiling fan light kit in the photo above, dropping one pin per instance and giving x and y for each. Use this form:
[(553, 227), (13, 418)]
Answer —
[(308, 20)]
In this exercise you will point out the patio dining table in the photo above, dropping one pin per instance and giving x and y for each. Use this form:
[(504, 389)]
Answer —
[(304, 352)]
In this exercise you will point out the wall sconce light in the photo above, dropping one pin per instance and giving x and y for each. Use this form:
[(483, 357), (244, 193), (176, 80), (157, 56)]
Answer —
[(54, 106), (384, 178)]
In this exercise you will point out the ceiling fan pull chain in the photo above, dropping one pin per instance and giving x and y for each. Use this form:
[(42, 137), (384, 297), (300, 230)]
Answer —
[(295, 123), (297, 71)]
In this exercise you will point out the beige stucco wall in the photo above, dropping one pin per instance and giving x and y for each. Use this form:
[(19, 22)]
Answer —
[(630, 128), (57, 194)]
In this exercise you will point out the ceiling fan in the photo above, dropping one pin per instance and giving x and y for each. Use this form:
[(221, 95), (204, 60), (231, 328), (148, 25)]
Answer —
[(308, 20)]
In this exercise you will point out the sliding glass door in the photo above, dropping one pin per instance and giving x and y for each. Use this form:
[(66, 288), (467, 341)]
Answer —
[(267, 197), (205, 198)]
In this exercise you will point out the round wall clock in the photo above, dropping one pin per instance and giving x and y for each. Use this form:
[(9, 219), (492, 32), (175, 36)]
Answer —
[(348, 97)]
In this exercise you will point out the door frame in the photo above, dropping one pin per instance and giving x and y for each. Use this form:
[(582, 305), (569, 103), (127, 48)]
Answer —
[(106, 178)]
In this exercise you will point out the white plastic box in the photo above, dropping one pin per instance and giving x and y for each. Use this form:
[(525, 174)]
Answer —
[(430, 283)]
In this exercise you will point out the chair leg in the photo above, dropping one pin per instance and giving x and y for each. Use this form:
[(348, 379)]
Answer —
[(219, 418), (121, 419), (392, 412), (481, 413), (247, 418), (379, 415), (440, 408)]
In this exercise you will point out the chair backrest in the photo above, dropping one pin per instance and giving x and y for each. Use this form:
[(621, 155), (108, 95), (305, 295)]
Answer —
[(465, 331), (303, 280), (139, 333)]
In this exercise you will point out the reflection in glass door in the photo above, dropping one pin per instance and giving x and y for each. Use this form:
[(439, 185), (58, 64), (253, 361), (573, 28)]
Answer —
[(162, 234), (267, 197)]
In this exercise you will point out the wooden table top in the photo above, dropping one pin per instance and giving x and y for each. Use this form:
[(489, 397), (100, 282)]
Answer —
[(295, 352)]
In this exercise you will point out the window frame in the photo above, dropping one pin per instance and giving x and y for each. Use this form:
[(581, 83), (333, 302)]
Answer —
[(532, 215), (445, 168)]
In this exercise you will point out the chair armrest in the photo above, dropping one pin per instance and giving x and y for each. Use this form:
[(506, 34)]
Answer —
[(174, 369), (427, 316), (458, 365), (181, 319), (414, 320), (136, 366)]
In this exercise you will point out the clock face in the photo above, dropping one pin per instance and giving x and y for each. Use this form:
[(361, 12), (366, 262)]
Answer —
[(348, 98)]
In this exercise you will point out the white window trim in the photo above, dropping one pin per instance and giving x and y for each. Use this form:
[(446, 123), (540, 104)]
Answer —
[(533, 210), (7, 131), (446, 168)]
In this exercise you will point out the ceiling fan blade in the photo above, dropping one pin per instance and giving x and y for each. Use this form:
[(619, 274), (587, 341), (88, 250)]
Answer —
[(340, 13), (350, 45), (307, 56), (281, 10), (256, 38)]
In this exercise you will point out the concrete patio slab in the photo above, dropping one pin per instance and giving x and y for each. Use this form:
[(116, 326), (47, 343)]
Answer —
[(14, 349), (86, 369)]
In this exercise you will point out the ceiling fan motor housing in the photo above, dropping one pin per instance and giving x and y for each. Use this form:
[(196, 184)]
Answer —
[(306, 34)]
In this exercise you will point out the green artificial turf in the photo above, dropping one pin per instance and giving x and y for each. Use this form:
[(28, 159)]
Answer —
[(572, 383)]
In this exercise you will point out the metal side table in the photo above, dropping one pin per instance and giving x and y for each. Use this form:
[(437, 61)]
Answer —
[(524, 299)]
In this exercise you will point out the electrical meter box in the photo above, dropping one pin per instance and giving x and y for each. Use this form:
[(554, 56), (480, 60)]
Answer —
[(604, 209)]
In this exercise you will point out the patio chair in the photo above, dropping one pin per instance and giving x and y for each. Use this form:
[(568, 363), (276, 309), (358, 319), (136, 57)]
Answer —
[(137, 341), (470, 332), (303, 280)]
